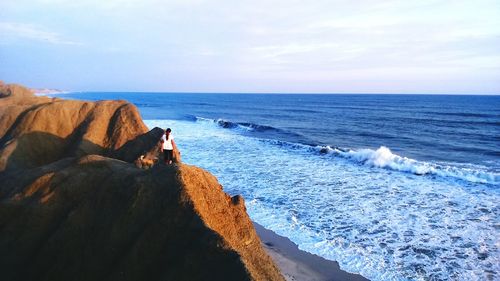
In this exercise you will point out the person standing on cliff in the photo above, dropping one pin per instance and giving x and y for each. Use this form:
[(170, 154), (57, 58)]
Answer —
[(167, 146)]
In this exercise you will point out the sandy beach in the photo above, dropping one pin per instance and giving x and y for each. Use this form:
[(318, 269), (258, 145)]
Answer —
[(298, 265)]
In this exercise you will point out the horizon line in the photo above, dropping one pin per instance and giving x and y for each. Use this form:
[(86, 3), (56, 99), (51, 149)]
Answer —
[(271, 93)]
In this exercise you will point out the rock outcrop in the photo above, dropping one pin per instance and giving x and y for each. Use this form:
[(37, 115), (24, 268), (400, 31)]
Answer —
[(37, 131), (74, 207)]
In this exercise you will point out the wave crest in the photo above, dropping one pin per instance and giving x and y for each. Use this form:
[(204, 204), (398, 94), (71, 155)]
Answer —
[(379, 158), (384, 158), (232, 125), (251, 127)]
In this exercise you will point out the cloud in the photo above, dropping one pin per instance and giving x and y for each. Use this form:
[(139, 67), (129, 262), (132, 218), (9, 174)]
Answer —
[(12, 31), (290, 49), (260, 40)]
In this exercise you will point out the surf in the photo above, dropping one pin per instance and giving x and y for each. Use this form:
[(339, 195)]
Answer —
[(382, 157), (353, 208)]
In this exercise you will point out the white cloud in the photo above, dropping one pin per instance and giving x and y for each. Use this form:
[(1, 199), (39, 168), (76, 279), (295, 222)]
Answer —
[(254, 40), (12, 30), (290, 49)]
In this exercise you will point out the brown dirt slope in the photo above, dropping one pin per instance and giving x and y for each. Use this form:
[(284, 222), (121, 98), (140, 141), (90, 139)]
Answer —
[(69, 215)]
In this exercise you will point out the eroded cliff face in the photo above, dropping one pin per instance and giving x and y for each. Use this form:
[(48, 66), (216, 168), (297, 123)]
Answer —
[(39, 130), (73, 207)]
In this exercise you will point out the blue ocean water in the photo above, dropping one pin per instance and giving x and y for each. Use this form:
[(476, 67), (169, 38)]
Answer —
[(394, 187)]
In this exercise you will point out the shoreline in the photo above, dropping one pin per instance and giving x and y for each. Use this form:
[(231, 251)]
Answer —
[(298, 265)]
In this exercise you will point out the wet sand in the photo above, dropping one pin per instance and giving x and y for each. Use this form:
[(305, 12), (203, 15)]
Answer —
[(298, 265)]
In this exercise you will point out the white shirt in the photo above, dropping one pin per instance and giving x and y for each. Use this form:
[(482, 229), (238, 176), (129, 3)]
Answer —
[(167, 144)]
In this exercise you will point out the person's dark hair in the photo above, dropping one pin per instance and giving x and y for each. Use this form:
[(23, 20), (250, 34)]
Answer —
[(167, 131)]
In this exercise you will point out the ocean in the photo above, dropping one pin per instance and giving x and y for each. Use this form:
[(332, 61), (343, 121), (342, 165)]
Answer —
[(394, 187)]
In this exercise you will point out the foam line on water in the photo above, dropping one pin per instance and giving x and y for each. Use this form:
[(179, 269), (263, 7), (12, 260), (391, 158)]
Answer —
[(234, 125), (379, 158), (384, 158)]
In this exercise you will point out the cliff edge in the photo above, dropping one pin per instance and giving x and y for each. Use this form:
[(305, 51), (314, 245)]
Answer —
[(74, 207)]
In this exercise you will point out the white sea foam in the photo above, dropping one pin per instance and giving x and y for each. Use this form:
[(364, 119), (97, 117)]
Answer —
[(384, 158), (382, 223)]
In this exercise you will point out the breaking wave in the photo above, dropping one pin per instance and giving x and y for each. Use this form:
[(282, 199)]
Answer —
[(379, 158), (384, 158), (232, 125)]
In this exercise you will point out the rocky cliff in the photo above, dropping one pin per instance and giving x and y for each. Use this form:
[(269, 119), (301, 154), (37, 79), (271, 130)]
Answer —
[(36, 131), (74, 207)]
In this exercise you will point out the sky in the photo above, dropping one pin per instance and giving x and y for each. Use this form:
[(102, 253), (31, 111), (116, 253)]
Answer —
[(323, 46)]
